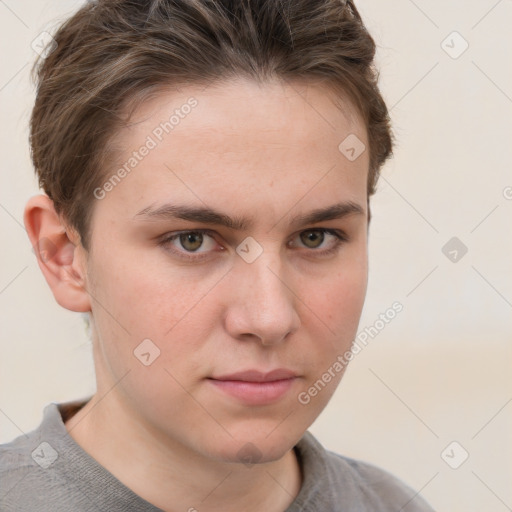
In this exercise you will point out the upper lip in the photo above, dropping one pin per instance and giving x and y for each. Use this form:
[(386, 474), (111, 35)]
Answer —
[(259, 376)]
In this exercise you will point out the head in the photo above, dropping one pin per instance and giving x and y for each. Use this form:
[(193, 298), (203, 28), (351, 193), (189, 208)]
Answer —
[(207, 169)]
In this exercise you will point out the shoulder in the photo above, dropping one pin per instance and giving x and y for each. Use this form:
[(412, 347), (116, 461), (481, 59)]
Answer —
[(47, 471), (29, 475), (354, 484), (380, 485), (19, 478)]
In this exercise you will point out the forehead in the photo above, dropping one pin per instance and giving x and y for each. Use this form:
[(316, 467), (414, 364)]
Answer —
[(269, 139), (237, 106)]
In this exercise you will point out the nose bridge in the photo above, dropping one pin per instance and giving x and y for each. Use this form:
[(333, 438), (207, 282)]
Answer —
[(265, 303), (267, 279)]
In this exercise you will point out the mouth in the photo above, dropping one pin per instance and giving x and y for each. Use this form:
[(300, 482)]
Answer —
[(254, 387)]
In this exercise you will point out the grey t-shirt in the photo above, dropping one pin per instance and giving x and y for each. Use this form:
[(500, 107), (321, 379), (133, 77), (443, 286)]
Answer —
[(46, 470)]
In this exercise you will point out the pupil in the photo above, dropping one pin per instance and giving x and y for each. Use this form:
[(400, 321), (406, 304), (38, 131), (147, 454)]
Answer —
[(191, 241), (312, 238)]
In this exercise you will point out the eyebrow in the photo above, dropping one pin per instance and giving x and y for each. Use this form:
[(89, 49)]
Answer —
[(209, 216)]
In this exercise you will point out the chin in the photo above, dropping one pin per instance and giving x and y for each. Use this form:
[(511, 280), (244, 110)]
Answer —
[(254, 447)]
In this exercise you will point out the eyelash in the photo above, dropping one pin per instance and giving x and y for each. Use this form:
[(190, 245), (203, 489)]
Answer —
[(340, 236)]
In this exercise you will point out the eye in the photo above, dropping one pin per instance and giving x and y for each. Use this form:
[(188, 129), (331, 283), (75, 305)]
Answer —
[(198, 244), (314, 239), (189, 242)]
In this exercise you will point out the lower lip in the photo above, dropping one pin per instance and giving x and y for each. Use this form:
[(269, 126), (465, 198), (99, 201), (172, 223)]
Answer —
[(255, 393)]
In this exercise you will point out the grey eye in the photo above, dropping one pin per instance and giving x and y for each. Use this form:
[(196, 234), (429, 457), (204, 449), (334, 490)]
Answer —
[(191, 241), (312, 238)]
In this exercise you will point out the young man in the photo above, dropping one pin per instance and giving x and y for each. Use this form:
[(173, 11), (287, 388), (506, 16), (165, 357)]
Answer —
[(207, 168)]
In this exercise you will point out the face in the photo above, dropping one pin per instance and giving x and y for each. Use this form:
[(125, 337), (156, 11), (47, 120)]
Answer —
[(228, 265)]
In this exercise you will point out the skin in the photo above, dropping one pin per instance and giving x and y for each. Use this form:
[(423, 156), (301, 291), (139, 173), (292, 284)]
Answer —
[(266, 152)]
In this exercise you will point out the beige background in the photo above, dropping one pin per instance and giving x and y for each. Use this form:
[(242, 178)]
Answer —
[(441, 370)]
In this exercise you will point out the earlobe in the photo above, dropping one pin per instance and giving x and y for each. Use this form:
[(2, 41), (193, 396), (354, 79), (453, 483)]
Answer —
[(60, 258)]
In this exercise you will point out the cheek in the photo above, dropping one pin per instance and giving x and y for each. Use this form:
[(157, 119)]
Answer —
[(334, 307), (343, 301), (335, 310), (146, 299), (139, 311), (338, 298), (165, 306)]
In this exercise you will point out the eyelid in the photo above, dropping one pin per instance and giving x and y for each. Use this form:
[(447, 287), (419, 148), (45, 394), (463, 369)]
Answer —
[(341, 238), (169, 237)]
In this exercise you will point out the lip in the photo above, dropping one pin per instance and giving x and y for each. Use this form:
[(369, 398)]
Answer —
[(258, 376), (255, 387)]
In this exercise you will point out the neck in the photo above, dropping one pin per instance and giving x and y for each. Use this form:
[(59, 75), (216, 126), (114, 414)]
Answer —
[(172, 476)]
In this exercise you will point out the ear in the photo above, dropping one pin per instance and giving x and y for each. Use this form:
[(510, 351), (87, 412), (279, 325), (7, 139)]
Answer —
[(60, 255)]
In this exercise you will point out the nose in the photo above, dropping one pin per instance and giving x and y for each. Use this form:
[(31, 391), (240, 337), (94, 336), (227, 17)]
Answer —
[(263, 306)]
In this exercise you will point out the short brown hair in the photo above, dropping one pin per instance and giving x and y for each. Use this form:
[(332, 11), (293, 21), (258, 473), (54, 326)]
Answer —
[(113, 53)]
